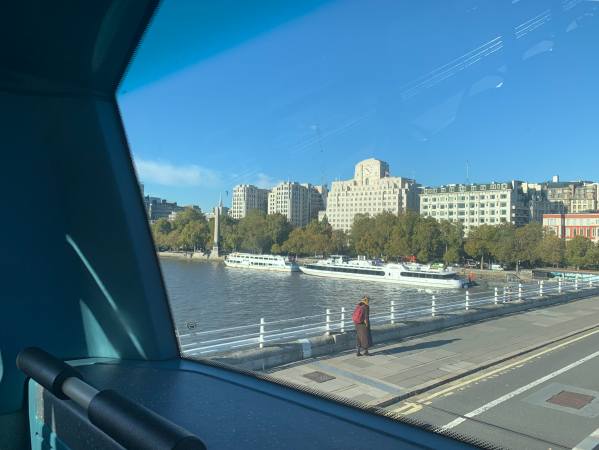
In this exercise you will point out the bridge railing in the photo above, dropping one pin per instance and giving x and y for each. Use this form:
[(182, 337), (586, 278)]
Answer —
[(263, 333)]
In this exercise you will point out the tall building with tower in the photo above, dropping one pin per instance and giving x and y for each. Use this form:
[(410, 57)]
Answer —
[(372, 191)]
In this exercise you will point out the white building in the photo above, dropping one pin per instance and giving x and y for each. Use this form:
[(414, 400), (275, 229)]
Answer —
[(300, 203), (476, 204), (247, 197), (371, 191)]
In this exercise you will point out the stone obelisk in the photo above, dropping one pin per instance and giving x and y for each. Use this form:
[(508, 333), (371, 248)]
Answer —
[(217, 212)]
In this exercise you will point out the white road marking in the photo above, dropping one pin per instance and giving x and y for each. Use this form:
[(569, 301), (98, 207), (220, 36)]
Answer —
[(488, 406), (590, 442)]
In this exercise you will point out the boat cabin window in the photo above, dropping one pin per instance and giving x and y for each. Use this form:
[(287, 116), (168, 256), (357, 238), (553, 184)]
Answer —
[(435, 276), (347, 270)]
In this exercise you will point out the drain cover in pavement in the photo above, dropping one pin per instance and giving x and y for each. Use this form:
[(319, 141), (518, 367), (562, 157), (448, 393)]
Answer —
[(571, 399), (319, 377)]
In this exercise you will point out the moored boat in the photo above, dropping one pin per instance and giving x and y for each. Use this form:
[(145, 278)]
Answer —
[(261, 262), (375, 270)]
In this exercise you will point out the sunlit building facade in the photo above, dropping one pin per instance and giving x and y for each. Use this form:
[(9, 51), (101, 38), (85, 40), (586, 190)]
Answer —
[(568, 226), (575, 196), (247, 197), (300, 203), (371, 191), (476, 204)]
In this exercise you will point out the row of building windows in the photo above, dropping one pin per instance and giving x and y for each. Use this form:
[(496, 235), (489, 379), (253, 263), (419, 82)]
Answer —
[(463, 205), (473, 219), (580, 222), (462, 197), (502, 212), (590, 232)]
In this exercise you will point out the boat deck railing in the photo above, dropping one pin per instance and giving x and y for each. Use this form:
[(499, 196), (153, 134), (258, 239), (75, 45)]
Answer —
[(406, 307)]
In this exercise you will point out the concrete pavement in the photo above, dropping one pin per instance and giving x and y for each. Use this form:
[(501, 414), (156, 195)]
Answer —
[(409, 367), (529, 380)]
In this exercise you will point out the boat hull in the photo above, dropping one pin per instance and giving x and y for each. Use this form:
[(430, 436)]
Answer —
[(426, 283)]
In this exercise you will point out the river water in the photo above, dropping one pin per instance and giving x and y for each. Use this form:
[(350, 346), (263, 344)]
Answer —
[(212, 296)]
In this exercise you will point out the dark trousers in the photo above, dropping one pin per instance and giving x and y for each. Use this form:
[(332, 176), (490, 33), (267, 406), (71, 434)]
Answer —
[(363, 336)]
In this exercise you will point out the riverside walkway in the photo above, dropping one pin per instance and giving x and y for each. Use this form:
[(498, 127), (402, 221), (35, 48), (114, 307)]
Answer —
[(396, 372)]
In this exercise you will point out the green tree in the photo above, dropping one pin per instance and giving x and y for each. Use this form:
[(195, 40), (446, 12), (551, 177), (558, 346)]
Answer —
[(371, 236), (296, 242), (174, 241), (428, 241), (339, 242), (230, 239), (360, 235), (162, 226), (579, 251), (254, 233), (401, 241), (194, 235), (316, 238), (593, 255), (380, 234), (452, 255), (527, 241), (479, 243), (452, 237), (188, 215), (551, 250), (160, 230), (503, 244), (278, 229)]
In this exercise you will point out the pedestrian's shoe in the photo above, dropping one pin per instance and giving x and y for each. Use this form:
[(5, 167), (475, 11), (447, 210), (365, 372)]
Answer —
[(366, 353), (358, 354)]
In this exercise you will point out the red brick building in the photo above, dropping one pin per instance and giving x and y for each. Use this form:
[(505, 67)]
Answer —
[(568, 226)]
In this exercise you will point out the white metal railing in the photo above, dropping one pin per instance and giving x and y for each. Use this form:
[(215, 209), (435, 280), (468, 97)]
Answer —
[(198, 343)]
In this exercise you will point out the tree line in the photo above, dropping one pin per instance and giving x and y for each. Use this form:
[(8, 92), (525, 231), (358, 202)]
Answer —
[(388, 236)]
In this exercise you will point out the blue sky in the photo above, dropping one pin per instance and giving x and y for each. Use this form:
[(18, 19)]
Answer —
[(226, 94)]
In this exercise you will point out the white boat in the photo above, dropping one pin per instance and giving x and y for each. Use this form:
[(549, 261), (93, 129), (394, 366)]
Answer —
[(401, 273), (261, 262)]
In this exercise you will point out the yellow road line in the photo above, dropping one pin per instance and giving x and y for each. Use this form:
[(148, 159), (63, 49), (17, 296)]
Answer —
[(411, 405)]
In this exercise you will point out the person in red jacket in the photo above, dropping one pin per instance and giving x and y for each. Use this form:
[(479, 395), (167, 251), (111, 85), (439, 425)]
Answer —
[(361, 319)]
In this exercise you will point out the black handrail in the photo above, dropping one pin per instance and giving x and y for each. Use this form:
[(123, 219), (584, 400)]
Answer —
[(130, 424)]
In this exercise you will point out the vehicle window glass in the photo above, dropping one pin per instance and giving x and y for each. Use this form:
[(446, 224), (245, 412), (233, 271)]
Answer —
[(296, 157)]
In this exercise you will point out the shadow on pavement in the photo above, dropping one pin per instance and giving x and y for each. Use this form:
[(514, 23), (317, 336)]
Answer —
[(419, 346)]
